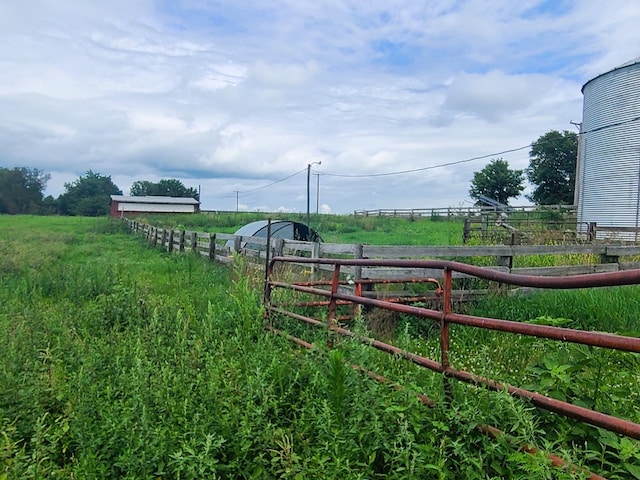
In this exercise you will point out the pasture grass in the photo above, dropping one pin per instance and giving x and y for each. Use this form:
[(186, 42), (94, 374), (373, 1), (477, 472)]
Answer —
[(332, 228), (121, 361)]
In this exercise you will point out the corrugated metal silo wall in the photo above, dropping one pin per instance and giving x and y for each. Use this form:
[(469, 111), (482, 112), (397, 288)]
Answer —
[(609, 187)]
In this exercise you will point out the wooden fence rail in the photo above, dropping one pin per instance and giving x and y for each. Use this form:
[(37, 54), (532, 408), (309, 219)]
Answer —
[(457, 211), (222, 247)]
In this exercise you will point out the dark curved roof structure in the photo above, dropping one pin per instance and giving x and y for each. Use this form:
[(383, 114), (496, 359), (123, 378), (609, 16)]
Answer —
[(279, 229)]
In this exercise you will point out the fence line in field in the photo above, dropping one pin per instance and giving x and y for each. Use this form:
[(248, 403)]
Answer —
[(459, 211), (222, 247)]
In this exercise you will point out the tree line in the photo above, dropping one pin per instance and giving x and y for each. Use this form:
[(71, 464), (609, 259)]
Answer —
[(552, 172), (22, 192)]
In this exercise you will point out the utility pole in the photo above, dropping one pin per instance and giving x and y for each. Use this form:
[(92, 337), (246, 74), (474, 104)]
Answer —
[(308, 190), (317, 192), (237, 204)]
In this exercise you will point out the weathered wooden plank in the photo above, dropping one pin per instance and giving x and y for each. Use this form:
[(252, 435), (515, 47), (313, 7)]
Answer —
[(296, 246), (254, 240), (337, 249), (622, 250), (410, 251), (566, 270), (457, 295), (225, 236), (396, 273)]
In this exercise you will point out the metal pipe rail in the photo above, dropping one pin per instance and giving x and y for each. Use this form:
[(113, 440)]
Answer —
[(446, 317)]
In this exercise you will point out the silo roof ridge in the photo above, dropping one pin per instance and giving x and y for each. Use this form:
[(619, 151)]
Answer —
[(620, 67), (630, 62)]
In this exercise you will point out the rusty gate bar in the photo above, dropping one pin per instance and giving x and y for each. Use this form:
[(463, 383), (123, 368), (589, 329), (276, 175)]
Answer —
[(446, 316), (624, 277), (488, 430), (585, 337), (586, 415), (332, 298), (444, 334), (595, 339), (372, 342), (608, 422)]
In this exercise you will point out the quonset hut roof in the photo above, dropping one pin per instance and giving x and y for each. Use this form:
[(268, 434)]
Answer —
[(279, 229)]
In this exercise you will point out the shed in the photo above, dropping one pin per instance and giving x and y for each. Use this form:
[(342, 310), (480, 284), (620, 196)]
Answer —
[(125, 205), (279, 229)]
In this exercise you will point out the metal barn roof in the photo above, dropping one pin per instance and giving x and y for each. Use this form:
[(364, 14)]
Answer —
[(155, 199)]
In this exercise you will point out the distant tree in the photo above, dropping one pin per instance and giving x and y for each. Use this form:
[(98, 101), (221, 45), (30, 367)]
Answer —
[(142, 188), (49, 205), (165, 187), (22, 189), (88, 195), (552, 168), (497, 181)]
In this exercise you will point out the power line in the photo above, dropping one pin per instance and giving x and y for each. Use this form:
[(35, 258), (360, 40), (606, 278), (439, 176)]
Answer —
[(236, 192), (430, 167), (597, 129)]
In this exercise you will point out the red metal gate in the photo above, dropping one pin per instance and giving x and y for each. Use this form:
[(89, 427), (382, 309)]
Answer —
[(334, 294)]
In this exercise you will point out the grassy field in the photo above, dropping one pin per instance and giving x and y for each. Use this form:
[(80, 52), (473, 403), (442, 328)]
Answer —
[(332, 228), (122, 361)]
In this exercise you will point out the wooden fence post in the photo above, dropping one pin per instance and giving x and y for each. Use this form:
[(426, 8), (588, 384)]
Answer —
[(194, 241), (505, 261), (170, 243), (592, 231), (315, 253), (278, 248), (607, 258), (466, 230), (212, 246), (359, 287), (182, 234), (484, 226)]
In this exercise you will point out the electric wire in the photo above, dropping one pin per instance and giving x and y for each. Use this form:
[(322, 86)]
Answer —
[(441, 165), (269, 185), (431, 167)]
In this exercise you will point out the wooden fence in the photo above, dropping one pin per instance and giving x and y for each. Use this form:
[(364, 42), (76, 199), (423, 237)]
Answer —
[(223, 246), (459, 211)]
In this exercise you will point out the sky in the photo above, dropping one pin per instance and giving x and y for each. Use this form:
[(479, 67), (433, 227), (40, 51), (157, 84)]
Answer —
[(382, 104)]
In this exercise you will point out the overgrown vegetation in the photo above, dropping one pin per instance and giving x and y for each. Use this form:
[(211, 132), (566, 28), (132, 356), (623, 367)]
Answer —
[(332, 228), (121, 361)]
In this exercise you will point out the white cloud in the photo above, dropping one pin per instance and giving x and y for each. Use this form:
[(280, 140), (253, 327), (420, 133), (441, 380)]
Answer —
[(238, 98), (495, 96)]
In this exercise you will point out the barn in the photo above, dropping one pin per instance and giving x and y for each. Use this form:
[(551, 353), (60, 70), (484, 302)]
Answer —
[(127, 206)]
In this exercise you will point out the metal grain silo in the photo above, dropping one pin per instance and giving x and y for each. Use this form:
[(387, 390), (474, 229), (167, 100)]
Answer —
[(608, 174)]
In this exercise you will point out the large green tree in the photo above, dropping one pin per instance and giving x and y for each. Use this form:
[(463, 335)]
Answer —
[(22, 189), (88, 196), (552, 168), (166, 187), (497, 181)]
